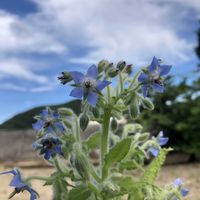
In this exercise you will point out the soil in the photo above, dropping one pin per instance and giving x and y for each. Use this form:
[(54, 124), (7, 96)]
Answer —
[(189, 173)]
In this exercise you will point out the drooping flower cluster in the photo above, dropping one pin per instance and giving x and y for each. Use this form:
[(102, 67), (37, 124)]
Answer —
[(19, 185), (49, 145)]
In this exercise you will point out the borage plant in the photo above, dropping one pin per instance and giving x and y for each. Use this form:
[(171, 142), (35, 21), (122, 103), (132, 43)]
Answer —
[(129, 160)]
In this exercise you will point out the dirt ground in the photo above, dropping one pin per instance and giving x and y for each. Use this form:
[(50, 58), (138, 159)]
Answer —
[(189, 173)]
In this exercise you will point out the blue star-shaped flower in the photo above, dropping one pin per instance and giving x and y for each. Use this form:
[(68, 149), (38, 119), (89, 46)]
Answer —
[(153, 77), (161, 141), (49, 120), (49, 145), (179, 184), (19, 185), (87, 86)]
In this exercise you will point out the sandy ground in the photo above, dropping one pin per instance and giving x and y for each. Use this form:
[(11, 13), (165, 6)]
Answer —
[(190, 173)]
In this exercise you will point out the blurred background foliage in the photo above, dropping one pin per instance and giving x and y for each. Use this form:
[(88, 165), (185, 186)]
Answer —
[(177, 113)]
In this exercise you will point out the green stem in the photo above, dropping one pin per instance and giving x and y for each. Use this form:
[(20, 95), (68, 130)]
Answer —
[(134, 78), (105, 138), (121, 83), (38, 178), (108, 93), (77, 130)]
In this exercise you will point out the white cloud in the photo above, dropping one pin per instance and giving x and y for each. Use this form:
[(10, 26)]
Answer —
[(133, 30), (19, 69), (121, 29), (19, 35), (10, 86), (42, 89)]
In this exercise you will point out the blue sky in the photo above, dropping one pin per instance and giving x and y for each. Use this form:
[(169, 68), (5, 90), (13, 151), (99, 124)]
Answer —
[(39, 39)]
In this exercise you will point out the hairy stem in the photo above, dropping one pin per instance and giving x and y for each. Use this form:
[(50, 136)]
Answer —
[(105, 137), (121, 83), (77, 130), (134, 79)]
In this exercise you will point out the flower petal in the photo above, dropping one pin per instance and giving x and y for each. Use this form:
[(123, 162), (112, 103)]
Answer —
[(57, 149), (144, 89), (77, 77), (44, 113), (47, 155), (158, 88), (184, 192), (92, 72), (92, 98), (77, 93), (164, 70), (14, 172), (154, 64), (177, 182), (142, 77), (58, 126), (32, 193), (38, 125), (17, 182), (49, 129), (54, 115), (163, 140), (102, 84), (154, 151)]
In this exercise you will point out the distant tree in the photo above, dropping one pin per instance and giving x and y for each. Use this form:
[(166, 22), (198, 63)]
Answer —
[(177, 113)]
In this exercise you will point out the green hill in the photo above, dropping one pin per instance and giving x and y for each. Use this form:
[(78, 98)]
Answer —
[(24, 120)]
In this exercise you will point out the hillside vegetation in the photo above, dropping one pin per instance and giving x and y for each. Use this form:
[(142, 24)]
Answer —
[(24, 120)]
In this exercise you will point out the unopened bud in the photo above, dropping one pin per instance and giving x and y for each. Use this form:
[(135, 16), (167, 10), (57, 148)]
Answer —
[(147, 104), (81, 162), (128, 69), (65, 77), (101, 65), (134, 108), (108, 67), (65, 111), (121, 65), (84, 120), (113, 72)]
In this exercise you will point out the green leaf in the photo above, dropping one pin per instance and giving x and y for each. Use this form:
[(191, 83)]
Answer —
[(129, 165), (93, 141), (79, 193), (153, 168), (117, 153)]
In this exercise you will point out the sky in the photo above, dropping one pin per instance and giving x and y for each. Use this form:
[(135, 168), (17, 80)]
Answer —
[(39, 39)]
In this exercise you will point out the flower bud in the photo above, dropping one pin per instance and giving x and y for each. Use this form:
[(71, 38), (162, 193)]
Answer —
[(81, 162), (65, 77), (101, 65), (121, 65), (147, 104), (83, 121), (65, 111), (134, 110), (108, 67), (114, 124), (113, 72), (128, 69)]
